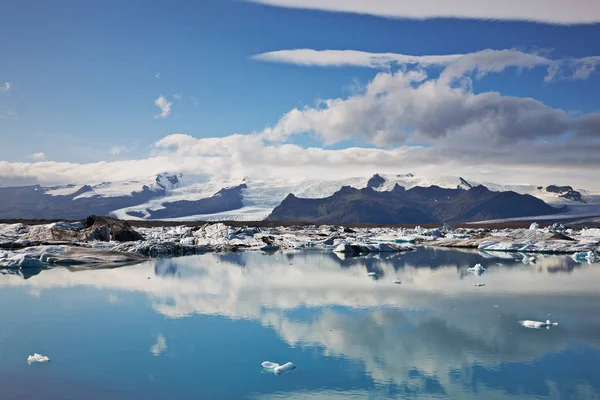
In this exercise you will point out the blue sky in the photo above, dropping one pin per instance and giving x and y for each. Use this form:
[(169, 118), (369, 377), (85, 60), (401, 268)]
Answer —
[(82, 76)]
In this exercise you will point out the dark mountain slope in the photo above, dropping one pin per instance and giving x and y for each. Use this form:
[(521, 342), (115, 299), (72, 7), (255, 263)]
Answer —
[(417, 205)]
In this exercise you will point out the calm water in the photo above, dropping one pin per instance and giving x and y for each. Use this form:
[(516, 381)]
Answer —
[(199, 327)]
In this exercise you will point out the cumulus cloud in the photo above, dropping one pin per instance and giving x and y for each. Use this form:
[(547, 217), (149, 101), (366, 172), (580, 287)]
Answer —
[(541, 11), (5, 87), (37, 156), (164, 105), (395, 108), (406, 120)]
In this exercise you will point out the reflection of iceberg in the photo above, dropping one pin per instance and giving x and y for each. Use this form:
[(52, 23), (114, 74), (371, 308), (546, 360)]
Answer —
[(585, 256)]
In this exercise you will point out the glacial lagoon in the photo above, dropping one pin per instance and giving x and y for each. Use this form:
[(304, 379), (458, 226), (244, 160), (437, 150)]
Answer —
[(199, 327)]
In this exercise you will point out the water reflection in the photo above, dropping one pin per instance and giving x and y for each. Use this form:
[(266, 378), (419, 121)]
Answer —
[(434, 335)]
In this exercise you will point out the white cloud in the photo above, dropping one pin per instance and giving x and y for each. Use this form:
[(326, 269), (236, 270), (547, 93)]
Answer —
[(339, 58), (512, 139), (400, 107), (116, 150), (160, 346), (456, 65), (542, 11), (8, 114), (38, 156), (157, 75), (164, 105), (5, 87)]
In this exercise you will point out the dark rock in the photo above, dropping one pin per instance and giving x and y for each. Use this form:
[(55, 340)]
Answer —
[(375, 181), (565, 192), (106, 228)]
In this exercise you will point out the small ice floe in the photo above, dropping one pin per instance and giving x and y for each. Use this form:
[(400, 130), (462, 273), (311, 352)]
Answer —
[(538, 324), (477, 269), (276, 368), (372, 274), (37, 358), (479, 284), (397, 282), (534, 226)]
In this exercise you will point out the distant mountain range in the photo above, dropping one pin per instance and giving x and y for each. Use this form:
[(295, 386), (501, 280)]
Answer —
[(419, 205), (403, 198)]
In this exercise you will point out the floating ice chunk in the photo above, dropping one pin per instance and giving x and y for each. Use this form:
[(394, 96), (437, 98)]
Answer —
[(372, 274), (449, 227), (188, 241), (534, 226), (66, 225), (269, 365), (284, 368), (37, 358), (538, 324), (20, 261), (276, 368), (478, 269), (479, 284)]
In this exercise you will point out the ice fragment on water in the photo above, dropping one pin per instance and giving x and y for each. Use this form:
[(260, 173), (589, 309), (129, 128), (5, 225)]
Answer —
[(538, 324), (37, 358)]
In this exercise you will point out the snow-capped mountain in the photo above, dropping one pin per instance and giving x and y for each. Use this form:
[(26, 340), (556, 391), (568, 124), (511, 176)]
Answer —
[(175, 196)]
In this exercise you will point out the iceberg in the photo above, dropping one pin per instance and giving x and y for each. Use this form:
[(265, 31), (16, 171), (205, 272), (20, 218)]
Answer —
[(37, 358), (538, 324), (276, 368), (20, 261), (477, 269)]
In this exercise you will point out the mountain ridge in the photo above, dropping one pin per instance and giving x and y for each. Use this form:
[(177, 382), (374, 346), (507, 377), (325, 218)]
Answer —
[(175, 196)]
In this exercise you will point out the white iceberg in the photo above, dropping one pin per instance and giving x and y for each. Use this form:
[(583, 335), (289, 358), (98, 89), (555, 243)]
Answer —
[(538, 324), (37, 358), (477, 269), (20, 261), (276, 368)]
